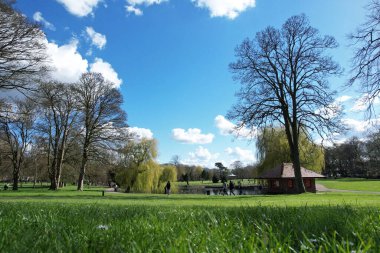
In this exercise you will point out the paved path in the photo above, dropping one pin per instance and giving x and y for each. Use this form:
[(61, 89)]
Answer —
[(322, 188)]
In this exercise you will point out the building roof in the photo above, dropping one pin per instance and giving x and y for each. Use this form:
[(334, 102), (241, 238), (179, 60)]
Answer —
[(285, 170)]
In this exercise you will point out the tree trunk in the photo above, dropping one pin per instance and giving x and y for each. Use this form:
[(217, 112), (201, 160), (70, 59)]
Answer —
[(300, 187), (81, 178), (16, 174), (35, 174), (295, 155), (83, 168)]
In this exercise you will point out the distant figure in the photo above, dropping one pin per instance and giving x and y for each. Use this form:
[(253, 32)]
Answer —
[(240, 188), (116, 187), (232, 188), (224, 188), (5, 187), (167, 188)]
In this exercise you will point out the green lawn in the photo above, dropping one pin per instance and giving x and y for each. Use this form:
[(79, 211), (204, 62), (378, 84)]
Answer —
[(38, 220), (94, 196), (354, 184)]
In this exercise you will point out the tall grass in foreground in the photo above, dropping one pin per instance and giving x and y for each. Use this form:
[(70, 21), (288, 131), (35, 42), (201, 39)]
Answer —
[(37, 227)]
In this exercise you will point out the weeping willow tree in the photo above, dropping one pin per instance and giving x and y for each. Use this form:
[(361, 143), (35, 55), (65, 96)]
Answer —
[(273, 149), (138, 170)]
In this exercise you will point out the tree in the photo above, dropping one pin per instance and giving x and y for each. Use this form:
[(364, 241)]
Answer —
[(222, 171), (273, 149), (137, 162), (366, 59), (16, 130), (346, 159), (22, 49), (372, 147), (284, 74), (181, 173), (100, 114), (60, 112)]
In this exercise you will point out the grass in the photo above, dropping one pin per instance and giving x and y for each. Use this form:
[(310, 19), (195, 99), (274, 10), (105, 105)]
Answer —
[(353, 184), (38, 220), (50, 227)]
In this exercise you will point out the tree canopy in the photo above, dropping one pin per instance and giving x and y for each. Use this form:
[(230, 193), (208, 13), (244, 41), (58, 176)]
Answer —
[(23, 56)]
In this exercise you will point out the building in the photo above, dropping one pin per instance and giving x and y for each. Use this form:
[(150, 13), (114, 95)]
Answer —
[(281, 179)]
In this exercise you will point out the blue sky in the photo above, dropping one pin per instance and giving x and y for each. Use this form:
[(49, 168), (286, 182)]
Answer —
[(170, 61)]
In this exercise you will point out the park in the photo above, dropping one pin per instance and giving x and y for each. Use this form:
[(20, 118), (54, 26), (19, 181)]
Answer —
[(122, 128)]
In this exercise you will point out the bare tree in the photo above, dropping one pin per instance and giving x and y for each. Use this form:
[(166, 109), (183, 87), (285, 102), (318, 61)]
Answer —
[(59, 109), (100, 114), (284, 74), (16, 129), (22, 49), (366, 59)]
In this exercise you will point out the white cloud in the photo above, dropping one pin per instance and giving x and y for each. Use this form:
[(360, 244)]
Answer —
[(361, 104), (192, 135), (329, 111), (243, 155), (97, 39), (201, 156), (140, 133), (131, 5), (225, 8), (333, 109), (80, 8), (226, 127), (342, 99), (361, 126), (67, 63), (106, 70), (38, 18), (134, 10)]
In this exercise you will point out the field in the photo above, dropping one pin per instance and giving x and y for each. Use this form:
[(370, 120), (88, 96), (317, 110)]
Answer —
[(38, 220)]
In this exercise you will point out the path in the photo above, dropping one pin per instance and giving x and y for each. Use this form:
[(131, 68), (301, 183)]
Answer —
[(322, 188)]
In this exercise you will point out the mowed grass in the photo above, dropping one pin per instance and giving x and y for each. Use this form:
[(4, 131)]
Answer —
[(38, 220), (352, 184)]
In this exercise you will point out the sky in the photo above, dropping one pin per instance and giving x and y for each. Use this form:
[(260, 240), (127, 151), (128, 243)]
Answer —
[(169, 58)]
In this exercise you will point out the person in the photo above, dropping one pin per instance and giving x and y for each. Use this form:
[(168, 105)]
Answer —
[(167, 188), (232, 188), (224, 188), (240, 188)]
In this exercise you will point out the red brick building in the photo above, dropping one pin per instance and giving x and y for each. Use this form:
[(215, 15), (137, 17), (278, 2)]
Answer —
[(281, 179)]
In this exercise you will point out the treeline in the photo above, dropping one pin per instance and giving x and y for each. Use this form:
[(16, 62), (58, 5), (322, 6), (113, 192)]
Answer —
[(59, 126), (63, 132), (354, 158)]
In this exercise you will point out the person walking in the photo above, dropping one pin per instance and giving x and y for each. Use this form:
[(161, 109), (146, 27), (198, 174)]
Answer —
[(167, 188), (240, 188), (232, 188), (224, 188)]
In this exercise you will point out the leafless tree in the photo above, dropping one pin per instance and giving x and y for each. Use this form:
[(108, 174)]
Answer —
[(100, 114), (283, 73), (59, 113), (16, 130), (22, 49), (366, 59)]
